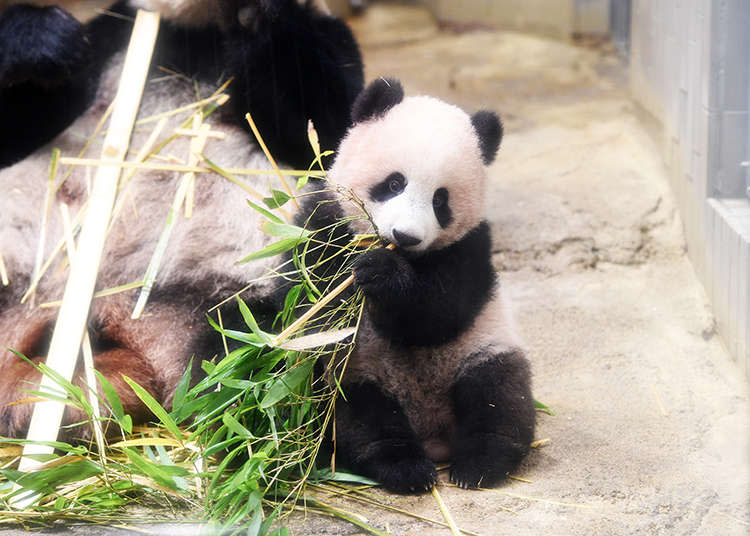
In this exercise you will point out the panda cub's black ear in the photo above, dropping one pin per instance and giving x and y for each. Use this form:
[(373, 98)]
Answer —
[(376, 99), (489, 128)]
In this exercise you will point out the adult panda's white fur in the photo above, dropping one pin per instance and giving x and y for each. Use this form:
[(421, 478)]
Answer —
[(437, 372), (199, 266)]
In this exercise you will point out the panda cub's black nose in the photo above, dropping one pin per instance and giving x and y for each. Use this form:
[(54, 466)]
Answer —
[(405, 240)]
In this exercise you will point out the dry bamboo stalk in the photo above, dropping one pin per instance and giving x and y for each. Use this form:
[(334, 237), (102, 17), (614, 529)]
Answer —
[(98, 294), (3, 272), (45, 218), (88, 355), (220, 98), (71, 320), (194, 132), (140, 157), (268, 154), (68, 160), (161, 246), (455, 531), (297, 324), (57, 249), (196, 148), (325, 300)]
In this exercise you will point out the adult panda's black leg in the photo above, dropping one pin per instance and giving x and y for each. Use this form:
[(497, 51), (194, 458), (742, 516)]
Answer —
[(495, 419), (374, 438), (43, 86), (292, 64)]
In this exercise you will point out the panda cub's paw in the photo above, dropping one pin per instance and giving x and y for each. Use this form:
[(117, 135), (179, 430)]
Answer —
[(470, 474), (408, 476), (484, 461), (383, 274), (43, 44), (400, 465)]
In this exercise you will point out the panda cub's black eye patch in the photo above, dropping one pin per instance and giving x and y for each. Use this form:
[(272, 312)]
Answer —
[(442, 209), (388, 188)]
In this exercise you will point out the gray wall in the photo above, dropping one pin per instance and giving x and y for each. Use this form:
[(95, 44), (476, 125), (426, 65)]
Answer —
[(690, 67)]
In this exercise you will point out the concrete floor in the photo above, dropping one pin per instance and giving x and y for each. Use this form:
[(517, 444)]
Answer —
[(650, 435)]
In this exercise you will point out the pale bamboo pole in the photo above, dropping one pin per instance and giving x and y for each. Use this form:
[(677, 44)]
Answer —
[(71, 319)]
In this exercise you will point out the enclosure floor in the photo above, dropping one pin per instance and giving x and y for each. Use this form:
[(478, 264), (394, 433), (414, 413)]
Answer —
[(650, 432), (651, 425)]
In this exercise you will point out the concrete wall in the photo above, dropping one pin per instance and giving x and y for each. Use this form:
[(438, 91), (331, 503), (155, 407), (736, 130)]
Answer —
[(690, 68), (557, 18)]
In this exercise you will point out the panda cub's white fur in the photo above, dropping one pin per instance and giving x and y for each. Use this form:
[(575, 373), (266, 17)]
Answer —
[(445, 154), (437, 372)]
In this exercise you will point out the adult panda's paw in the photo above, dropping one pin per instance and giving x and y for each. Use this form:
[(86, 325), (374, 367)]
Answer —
[(383, 274), (46, 45), (401, 466)]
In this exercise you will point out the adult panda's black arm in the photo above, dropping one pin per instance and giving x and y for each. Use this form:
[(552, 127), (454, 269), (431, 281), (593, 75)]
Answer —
[(429, 299), (49, 71)]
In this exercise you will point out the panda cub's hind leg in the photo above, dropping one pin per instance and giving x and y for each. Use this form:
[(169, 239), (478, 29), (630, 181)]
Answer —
[(374, 438), (495, 416)]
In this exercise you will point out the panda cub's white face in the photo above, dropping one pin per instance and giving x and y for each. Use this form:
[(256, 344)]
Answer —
[(419, 172)]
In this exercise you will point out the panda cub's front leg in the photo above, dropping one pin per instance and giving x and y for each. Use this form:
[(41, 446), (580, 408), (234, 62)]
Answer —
[(374, 438), (495, 415)]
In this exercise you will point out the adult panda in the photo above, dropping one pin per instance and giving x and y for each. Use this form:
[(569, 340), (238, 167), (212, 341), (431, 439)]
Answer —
[(437, 372), (289, 63)]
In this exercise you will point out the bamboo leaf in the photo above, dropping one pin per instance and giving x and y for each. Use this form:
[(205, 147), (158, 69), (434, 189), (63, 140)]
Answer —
[(147, 468), (274, 249), (270, 215), (287, 383), (115, 404), (284, 230), (249, 319), (155, 408), (182, 387), (234, 425), (317, 340), (277, 199), (543, 407)]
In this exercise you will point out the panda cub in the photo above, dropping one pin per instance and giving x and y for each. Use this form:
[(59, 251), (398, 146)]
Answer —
[(289, 63), (437, 372)]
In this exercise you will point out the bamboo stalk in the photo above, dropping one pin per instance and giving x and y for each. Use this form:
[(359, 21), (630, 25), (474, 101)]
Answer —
[(57, 249), (71, 319), (161, 246), (196, 149), (88, 356), (45, 216), (69, 160), (297, 324), (140, 157), (262, 144), (455, 531), (3, 272), (220, 98), (322, 302), (98, 294)]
